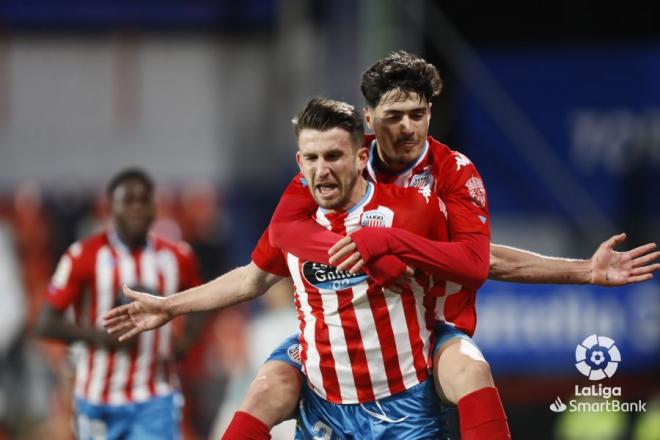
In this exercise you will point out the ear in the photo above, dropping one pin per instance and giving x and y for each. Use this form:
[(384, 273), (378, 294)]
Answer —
[(362, 158), (368, 117), (299, 160)]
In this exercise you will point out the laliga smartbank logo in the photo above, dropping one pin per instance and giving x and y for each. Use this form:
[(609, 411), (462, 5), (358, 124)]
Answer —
[(597, 357)]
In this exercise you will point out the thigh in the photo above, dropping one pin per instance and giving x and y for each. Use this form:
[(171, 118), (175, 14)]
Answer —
[(318, 419), (415, 414), (101, 421), (158, 418), (459, 367)]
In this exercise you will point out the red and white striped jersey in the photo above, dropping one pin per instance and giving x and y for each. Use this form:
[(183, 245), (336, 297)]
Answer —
[(88, 281), (358, 341), (453, 177)]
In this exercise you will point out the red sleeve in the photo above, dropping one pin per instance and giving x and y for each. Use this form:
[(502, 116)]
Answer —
[(464, 260), (464, 194), (189, 267), (67, 281), (293, 229), (268, 258)]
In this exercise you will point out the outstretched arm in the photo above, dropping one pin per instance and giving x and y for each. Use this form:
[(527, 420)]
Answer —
[(606, 267), (147, 312)]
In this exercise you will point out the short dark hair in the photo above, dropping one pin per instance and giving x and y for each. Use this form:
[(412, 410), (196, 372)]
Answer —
[(402, 71), (129, 174), (324, 114)]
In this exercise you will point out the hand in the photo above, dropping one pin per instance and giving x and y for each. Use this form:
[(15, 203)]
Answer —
[(612, 268), (339, 251), (404, 280), (146, 312)]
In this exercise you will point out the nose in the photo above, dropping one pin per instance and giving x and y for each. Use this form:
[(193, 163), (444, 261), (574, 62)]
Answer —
[(406, 124), (322, 168)]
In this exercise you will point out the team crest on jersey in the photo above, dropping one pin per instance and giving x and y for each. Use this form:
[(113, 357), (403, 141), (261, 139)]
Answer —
[(421, 180), (381, 217), (327, 277), (477, 191)]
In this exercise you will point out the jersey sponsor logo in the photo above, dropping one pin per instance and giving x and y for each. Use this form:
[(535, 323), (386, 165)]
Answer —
[(477, 191), (327, 277), (294, 353), (426, 193), (461, 161), (380, 217), (421, 180), (443, 207)]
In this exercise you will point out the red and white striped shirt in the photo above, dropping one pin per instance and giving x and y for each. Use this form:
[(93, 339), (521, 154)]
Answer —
[(358, 341), (88, 280), (455, 179)]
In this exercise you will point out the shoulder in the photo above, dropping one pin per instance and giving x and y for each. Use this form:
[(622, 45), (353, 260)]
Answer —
[(87, 246), (180, 248), (445, 157), (398, 196)]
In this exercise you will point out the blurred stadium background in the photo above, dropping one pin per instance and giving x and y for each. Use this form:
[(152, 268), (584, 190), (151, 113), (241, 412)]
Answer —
[(558, 105)]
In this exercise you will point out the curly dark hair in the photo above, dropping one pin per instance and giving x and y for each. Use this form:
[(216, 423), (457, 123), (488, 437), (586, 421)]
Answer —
[(324, 114), (401, 71), (130, 174)]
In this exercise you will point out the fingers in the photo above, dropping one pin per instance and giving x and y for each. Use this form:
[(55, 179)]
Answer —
[(107, 323), (640, 278), (637, 262), (116, 312), (120, 328), (130, 292), (409, 272), (349, 262), (645, 249), (340, 244), (645, 269), (340, 253), (130, 334), (357, 266), (615, 240)]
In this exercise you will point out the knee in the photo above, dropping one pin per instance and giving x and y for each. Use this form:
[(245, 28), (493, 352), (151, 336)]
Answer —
[(474, 375), (273, 394)]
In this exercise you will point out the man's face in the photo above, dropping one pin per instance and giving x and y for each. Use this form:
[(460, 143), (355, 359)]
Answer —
[(401, 124), (331, 167), (133, 209)]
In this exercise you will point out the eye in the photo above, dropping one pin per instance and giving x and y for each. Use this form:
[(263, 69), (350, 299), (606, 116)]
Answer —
[(417, 115)]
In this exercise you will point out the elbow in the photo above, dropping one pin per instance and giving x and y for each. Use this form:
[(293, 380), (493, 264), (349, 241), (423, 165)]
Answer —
[(480, 273)]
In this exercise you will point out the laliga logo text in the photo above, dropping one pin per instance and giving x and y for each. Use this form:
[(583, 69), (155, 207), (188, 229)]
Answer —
[(597, 357)]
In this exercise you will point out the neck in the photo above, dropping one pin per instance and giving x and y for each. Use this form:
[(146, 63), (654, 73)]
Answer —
[(387, 166), (133, 243)]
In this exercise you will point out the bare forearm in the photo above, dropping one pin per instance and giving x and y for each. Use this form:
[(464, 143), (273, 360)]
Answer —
[(516, 265), (234, 287)]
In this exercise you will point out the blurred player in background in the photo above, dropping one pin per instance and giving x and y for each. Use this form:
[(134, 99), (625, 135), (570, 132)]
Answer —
[(398, 90), (122, 390)]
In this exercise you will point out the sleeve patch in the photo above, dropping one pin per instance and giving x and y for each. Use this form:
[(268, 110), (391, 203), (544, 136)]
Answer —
[(475, 187)]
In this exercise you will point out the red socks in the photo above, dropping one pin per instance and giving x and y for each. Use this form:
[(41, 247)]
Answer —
[(244, 426), (482, 416)]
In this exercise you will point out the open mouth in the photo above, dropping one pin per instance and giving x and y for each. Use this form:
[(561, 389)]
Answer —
[(327, 190)]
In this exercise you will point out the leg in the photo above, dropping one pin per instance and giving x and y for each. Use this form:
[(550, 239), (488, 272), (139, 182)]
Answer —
[(459, 368), (273, 395), (462, 376)]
